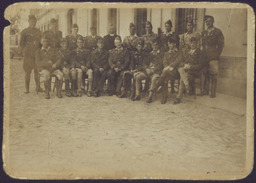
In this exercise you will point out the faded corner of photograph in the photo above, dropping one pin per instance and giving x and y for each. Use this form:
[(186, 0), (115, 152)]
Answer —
[(128, 92)]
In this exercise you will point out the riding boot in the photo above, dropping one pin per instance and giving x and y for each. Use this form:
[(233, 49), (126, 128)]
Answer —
[(47, 89), (73, 88), (67, 89), (59, 87), (27, 81), (172, 86), (165, 93), (213, 89)]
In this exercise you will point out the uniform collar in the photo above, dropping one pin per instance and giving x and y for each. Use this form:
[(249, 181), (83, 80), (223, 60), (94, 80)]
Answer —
[(168, 33), (79, 49), (211, 29), (120, 49), (150, 34), (155, 52), (46, 49), (175, 49)]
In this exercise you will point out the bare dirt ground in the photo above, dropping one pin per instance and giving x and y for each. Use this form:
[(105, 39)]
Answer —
[(111, 137)]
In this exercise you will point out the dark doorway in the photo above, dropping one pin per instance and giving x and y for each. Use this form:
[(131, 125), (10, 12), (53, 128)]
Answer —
[(140, 20)]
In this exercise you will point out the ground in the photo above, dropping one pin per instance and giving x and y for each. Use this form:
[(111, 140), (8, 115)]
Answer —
[(110, 137)]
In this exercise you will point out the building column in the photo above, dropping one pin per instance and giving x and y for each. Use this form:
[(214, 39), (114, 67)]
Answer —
[(82, 20), (200, 20), (156, 18), (126, 16), (103, 22)]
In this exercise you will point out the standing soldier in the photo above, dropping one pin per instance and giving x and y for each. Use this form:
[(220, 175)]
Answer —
[(71, 38), (90, 42), (186, 37), (119, 62), (99, 63), (168, 34), (109, 39), (29, 44), (213, 44), (53, 35), (49, 64), (155, 67), (129, 42), (82, 67), (149, 37)]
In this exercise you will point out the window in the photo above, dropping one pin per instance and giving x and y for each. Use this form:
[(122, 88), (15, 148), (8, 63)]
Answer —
[(112, 16), (183, 14), (70, 20), (94, 18), (140, 19)]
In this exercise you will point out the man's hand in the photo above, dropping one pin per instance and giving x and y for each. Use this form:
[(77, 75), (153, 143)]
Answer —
[(171, 68), (116, 69), (186, 66), (101, 69), (83, 68)]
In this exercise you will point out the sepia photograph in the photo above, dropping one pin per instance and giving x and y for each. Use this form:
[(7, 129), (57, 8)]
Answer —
[(129, 91)]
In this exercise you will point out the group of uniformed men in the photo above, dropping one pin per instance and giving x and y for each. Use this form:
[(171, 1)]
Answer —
[(155, 58)]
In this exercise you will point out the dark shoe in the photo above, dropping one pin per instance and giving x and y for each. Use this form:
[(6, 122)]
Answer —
[(89, 93), (47, 96), (26, 92), (39, 90), (80, 93), (68, 94), (164, 100), (74, 94), (137, 97), (150, 99), (95, 94), (177, 101), (59, 95), (123, 95)]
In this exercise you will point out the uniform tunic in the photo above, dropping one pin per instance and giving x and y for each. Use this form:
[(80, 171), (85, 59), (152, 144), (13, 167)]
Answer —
[(148, 38), (72, 39), (53, 38), (130, 42), (185, 39), (164, 40), (90, 42), (109, 41)]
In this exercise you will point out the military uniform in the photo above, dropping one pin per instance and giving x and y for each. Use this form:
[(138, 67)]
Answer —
[(118, 58), (82, 67), (90, 42), (29, 44), (71, 40), (164, 40), (53, 38), (139, 63), (185, 39), (130, 42), (99, 59), (45, 59), (109, 41), (148, 39), (195, 60), (213, 44)]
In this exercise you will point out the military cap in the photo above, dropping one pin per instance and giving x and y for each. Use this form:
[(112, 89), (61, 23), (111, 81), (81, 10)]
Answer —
[(193, 39), (149, 23), (132, 25), (208, 16), (74, 26), (53, 21), (169, 22), (31, 17), (100, 40)]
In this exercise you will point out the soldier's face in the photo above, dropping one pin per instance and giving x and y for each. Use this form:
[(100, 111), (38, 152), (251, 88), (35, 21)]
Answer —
[(64, 45), (193, 45), (53, 26), (74, 31), (171, 45), (189, 27), (32, 23), (118, 43), (148, 29), (168, 27), (132, 30), (209, 22), (44, 43), (100, 45), (93, 32), (139, 47), (155, 46), (79, 43), (111, 30)]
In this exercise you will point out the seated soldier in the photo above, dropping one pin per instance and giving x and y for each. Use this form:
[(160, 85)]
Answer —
[(100, 67), (48, 64), (90, 41), (139, 63), (82, 67), (155, 67), (119, 61), (171, 58), (191, 66), (65, 55)]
